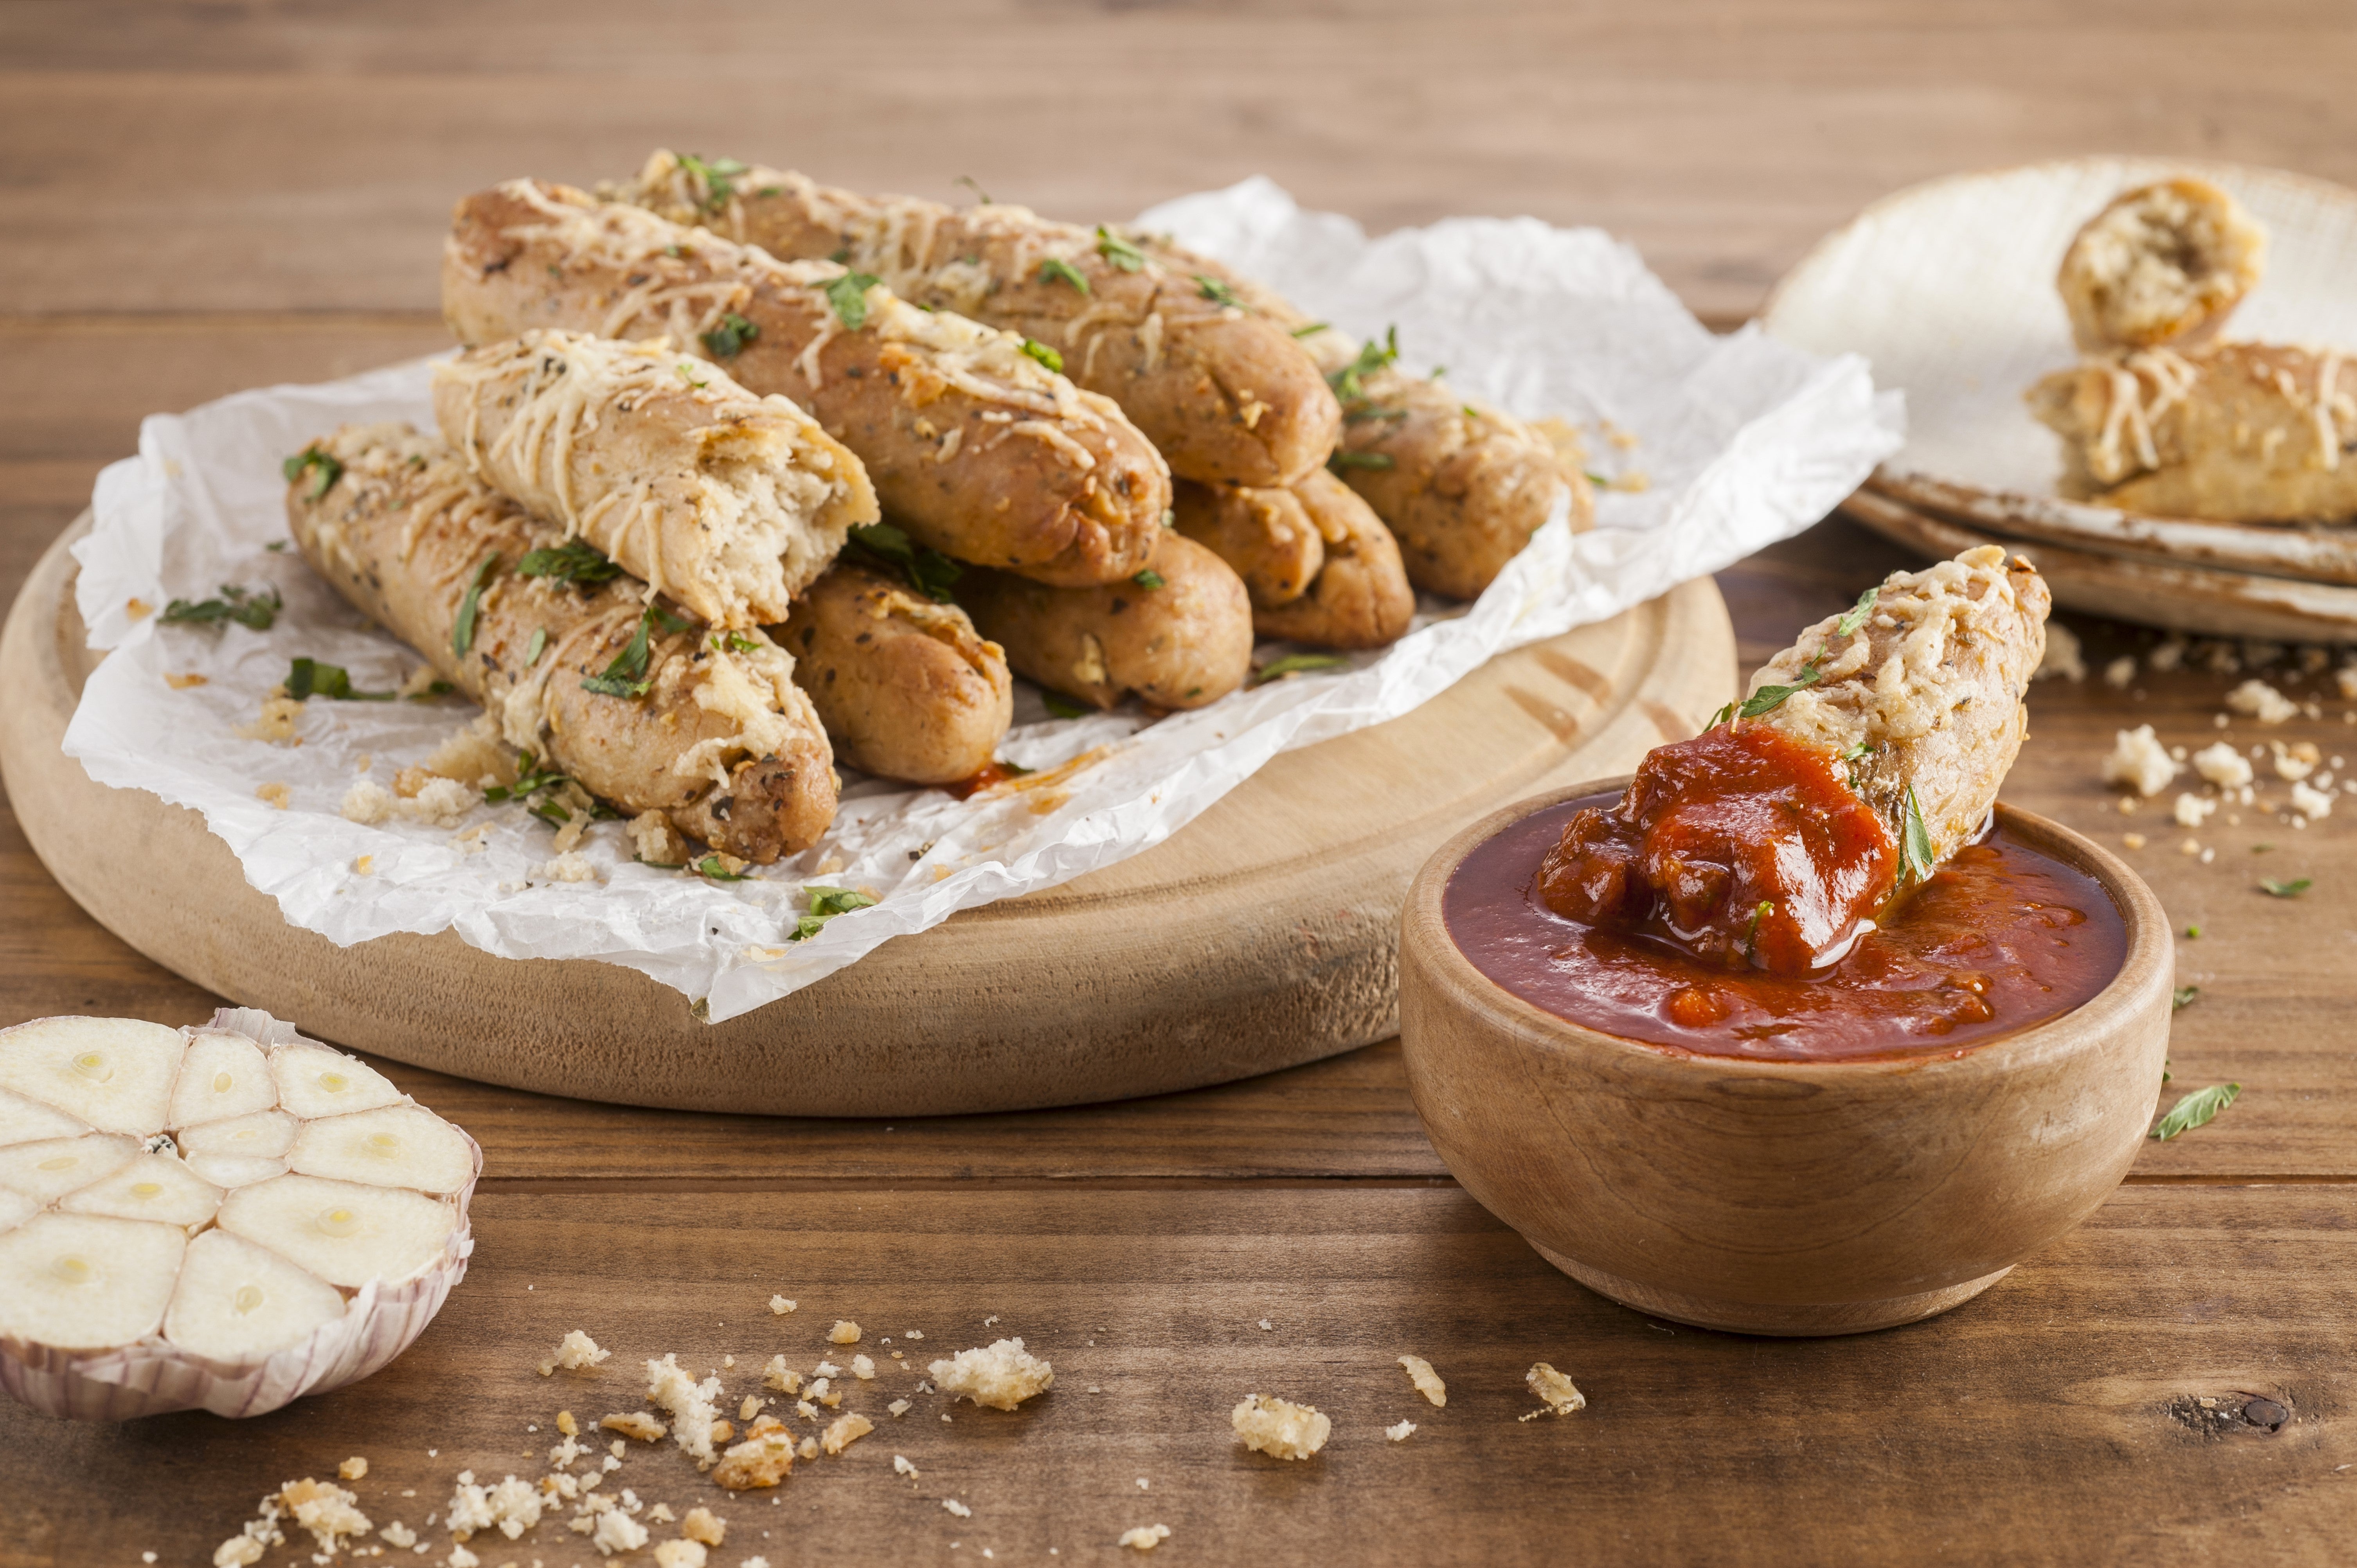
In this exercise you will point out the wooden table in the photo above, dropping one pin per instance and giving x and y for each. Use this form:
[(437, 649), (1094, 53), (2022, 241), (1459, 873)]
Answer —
[(202, 199)]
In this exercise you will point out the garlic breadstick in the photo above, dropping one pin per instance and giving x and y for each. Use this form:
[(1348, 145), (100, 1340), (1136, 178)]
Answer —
[(729, 503), (1320, 566), (2162, 264)]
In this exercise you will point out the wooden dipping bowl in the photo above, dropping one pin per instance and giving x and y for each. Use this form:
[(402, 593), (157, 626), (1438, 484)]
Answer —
[(1782, 1197)]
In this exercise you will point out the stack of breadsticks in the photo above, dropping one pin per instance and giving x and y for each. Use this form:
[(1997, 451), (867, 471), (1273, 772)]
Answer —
[(740, 475), (2161, 416)]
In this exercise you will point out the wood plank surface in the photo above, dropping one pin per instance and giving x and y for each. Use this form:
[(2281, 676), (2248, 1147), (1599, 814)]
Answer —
[(202, 198)]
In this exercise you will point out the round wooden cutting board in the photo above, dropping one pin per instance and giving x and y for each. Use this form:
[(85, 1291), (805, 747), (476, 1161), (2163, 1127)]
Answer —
[(1263, 934)]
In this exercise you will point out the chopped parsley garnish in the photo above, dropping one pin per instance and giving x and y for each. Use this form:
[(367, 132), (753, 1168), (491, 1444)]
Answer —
[(626, 675), (825, 904), (532, 778), (575, 561), (2198, 1109), (2192, 932), (1915, 841), (710, 866), (1149, 578), (324, 468), (307, 678), (276, 547), (1311, 330), (968, 181), (687, 374), (1468, 411), (1118, 250), (1063, 707), (1217, 292), (1349, 381), (732, 643), (1751, 938), (719, 176), (2291, 890), (1297, 664), (1435, 372), (538, 646), (462, 635), (1044, 354), (247, 606), (1341, 459), (848, 295), (2182, 998), (928, 570), (1856, 614), (727, 340), (1768, 698), (1721, 716), (1053, 270), (1593, 478), (1365, 410), (1859, 750), (1170, 517)]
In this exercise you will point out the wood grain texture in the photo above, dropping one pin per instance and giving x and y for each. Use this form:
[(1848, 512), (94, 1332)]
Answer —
[(2055, 1420)]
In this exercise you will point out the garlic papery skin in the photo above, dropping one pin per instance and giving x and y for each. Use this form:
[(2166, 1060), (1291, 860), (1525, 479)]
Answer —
[(162, 1263)]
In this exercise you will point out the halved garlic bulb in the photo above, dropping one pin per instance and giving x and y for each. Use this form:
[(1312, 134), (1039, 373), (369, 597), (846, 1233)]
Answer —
[(156, 1251)]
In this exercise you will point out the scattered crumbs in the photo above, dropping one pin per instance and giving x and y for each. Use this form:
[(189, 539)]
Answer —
[(2134, 841), (1146, 1537), (365, 866), (863, 1369), (991, 1319), (727, 1360), (2261, 702), (1401, 1432), (1265, 1323), (900, 1466), (276, 723), (809, 1450), (1001, 1375), (957, 1508), (846, 1430), (180, 683), (898, 1407), (844, 1332), (1427, 1381), (2120, 672), (2139, 761), (1094, 1390), (277, 793), (780, 1306), (1141, 1483), (575, 1352), (1556, 1389), (1279, 1428)]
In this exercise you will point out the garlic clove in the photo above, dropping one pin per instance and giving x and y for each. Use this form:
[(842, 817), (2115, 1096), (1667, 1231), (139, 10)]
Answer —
[(114, 1073), (153, 1186), (263, 1134), (223, 1074), (395, 1146), (239, 1301), (24, 1120), (343, 1231), (50, 1169), (80, 1281), (316, 1082), (229, 1171)]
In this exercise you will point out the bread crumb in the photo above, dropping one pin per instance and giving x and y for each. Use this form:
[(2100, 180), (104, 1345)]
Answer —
[(2222, 765), (572, 868), (2311, 803), (2134, 841), (863, 1369), (364, 867), (763, 1459), (325, 1509), (2193, 810), (898, 1407), (2261, 702), (957, 1508), (1279, 1427), (656, 842), (513, 1505), (701, 1524), (276, 723), (473, 753), (844, 1332), (353, 1469), (616, 1531), (900, 1466), (846, 1430), (277, 793), (2120, 672), (1400, 1433), (679, 1553), (1146, 1537), (1555, 1389), (1427, 1381), (2296, 761), (367, 803), (690, 1405), (778, 1376), (635, 1423), (2063, 656), (397, 1534), (777, 1304), (2139, 761), (749, 1407), (182, 684), (575, 1352), (566, 1424), (1001, 1376), (809, 1449), (913, 1334), (661, 1513)]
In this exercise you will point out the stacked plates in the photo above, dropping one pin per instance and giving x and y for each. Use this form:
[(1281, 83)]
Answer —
[(1948, 288)]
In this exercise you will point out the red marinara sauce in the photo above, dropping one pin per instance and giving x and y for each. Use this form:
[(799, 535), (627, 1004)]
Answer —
[(1999, 938)]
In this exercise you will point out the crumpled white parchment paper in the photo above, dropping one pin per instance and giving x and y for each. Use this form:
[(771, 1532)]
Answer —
[(1743, 440)]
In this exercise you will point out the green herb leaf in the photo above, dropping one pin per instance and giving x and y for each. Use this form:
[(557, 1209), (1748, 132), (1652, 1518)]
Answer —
[(307, 678), (825, 904), (2198, 1109), (538, 646), (1770, 698), (1348, 383), (661, 865), (532, 778), (967, 180), (1149, 578), (848, 295), (276, 547), (1297, 664), (1721, 716), (2261, 848), (928, 570), (462, 635), (719, 176), (1063, 707), (2291, 890), (1760, 912), (1342, 459), (575, 561), (688, 373), (2183, 997), (1857, 751), (727, 340), (1849, 623), (710, 866), (246, 606), (1218, 293), (1915, 841), (1358, 412), (732, 643), (326, 469), (1044, 354), (1052, 270), (2191, 931), (1593, 478), (1311, 330), (1118, 250), (626, 675)]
